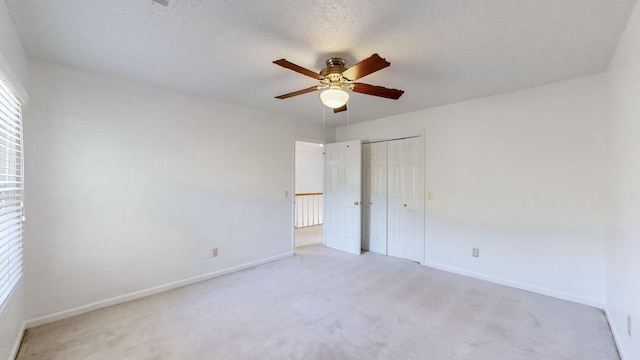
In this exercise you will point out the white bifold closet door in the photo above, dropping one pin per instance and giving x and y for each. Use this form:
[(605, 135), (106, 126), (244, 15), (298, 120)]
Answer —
[(374, 197), (405, 196)]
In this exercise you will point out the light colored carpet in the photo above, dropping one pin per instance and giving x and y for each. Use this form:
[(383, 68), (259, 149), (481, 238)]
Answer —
[(324, 304), (308, 235)]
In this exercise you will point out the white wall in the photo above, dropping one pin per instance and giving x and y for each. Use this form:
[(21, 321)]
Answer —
[(623, 265), (309, 168), (12, 322), (129, 185), (13, 64), (12, 54), (523, 177)]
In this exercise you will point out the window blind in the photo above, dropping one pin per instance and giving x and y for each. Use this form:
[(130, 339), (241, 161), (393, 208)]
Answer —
[(11, 190)]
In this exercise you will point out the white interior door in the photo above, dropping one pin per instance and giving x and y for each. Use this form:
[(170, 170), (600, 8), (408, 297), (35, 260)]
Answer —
[(374, 197), (342, 196), (396, 214), (406, 199), (414, 198)]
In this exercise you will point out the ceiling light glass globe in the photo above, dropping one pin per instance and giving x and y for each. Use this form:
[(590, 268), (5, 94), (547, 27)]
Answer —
[(334, 98)]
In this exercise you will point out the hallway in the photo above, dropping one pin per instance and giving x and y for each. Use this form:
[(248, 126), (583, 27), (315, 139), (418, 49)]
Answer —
[(308, 235)]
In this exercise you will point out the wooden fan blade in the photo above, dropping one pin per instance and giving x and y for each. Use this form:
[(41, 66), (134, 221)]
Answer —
[(340, 109), (299, 92), (299, 69), (365, 67), (377, 91)]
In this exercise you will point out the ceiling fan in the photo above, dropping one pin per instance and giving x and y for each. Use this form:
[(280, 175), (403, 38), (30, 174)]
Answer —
[(335, 77)]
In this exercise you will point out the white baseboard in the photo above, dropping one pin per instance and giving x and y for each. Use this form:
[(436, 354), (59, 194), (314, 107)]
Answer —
[(518, 285), (616, 335), (16, 345), (146, 292)]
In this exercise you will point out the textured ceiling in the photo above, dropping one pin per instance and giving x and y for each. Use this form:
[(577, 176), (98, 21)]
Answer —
[(441, 51)]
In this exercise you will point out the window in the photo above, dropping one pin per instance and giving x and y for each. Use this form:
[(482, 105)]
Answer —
[(11, 190)]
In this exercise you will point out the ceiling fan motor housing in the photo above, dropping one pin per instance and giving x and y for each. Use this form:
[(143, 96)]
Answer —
[(333, 73), (334, 65)]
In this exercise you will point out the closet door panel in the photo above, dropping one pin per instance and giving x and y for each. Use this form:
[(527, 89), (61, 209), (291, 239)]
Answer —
[(414, 198), (396, 213), (375, 197), (366, 196)]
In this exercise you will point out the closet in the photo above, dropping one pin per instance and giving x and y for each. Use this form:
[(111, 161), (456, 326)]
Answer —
[(393, 198)]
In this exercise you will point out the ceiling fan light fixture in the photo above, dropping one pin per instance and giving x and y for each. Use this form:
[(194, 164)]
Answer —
[(334, 98)]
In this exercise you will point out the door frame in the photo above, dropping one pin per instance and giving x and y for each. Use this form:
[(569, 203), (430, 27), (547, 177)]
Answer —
[(292, 196)]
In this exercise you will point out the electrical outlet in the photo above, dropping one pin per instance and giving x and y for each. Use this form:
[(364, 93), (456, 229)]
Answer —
[(211, 253), (475, 252), (629, 323)]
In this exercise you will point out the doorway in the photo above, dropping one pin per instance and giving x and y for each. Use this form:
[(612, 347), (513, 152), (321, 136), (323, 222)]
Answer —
[(309, 193)]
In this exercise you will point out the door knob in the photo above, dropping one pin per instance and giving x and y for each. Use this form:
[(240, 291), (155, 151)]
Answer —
[(405, 205), (370, 202), (356, 203)]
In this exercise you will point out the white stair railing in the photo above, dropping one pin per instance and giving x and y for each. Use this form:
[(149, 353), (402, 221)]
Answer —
[(308, 209)]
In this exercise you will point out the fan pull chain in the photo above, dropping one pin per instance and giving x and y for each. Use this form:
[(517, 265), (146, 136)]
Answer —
[(348, 124), (324, 125)]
